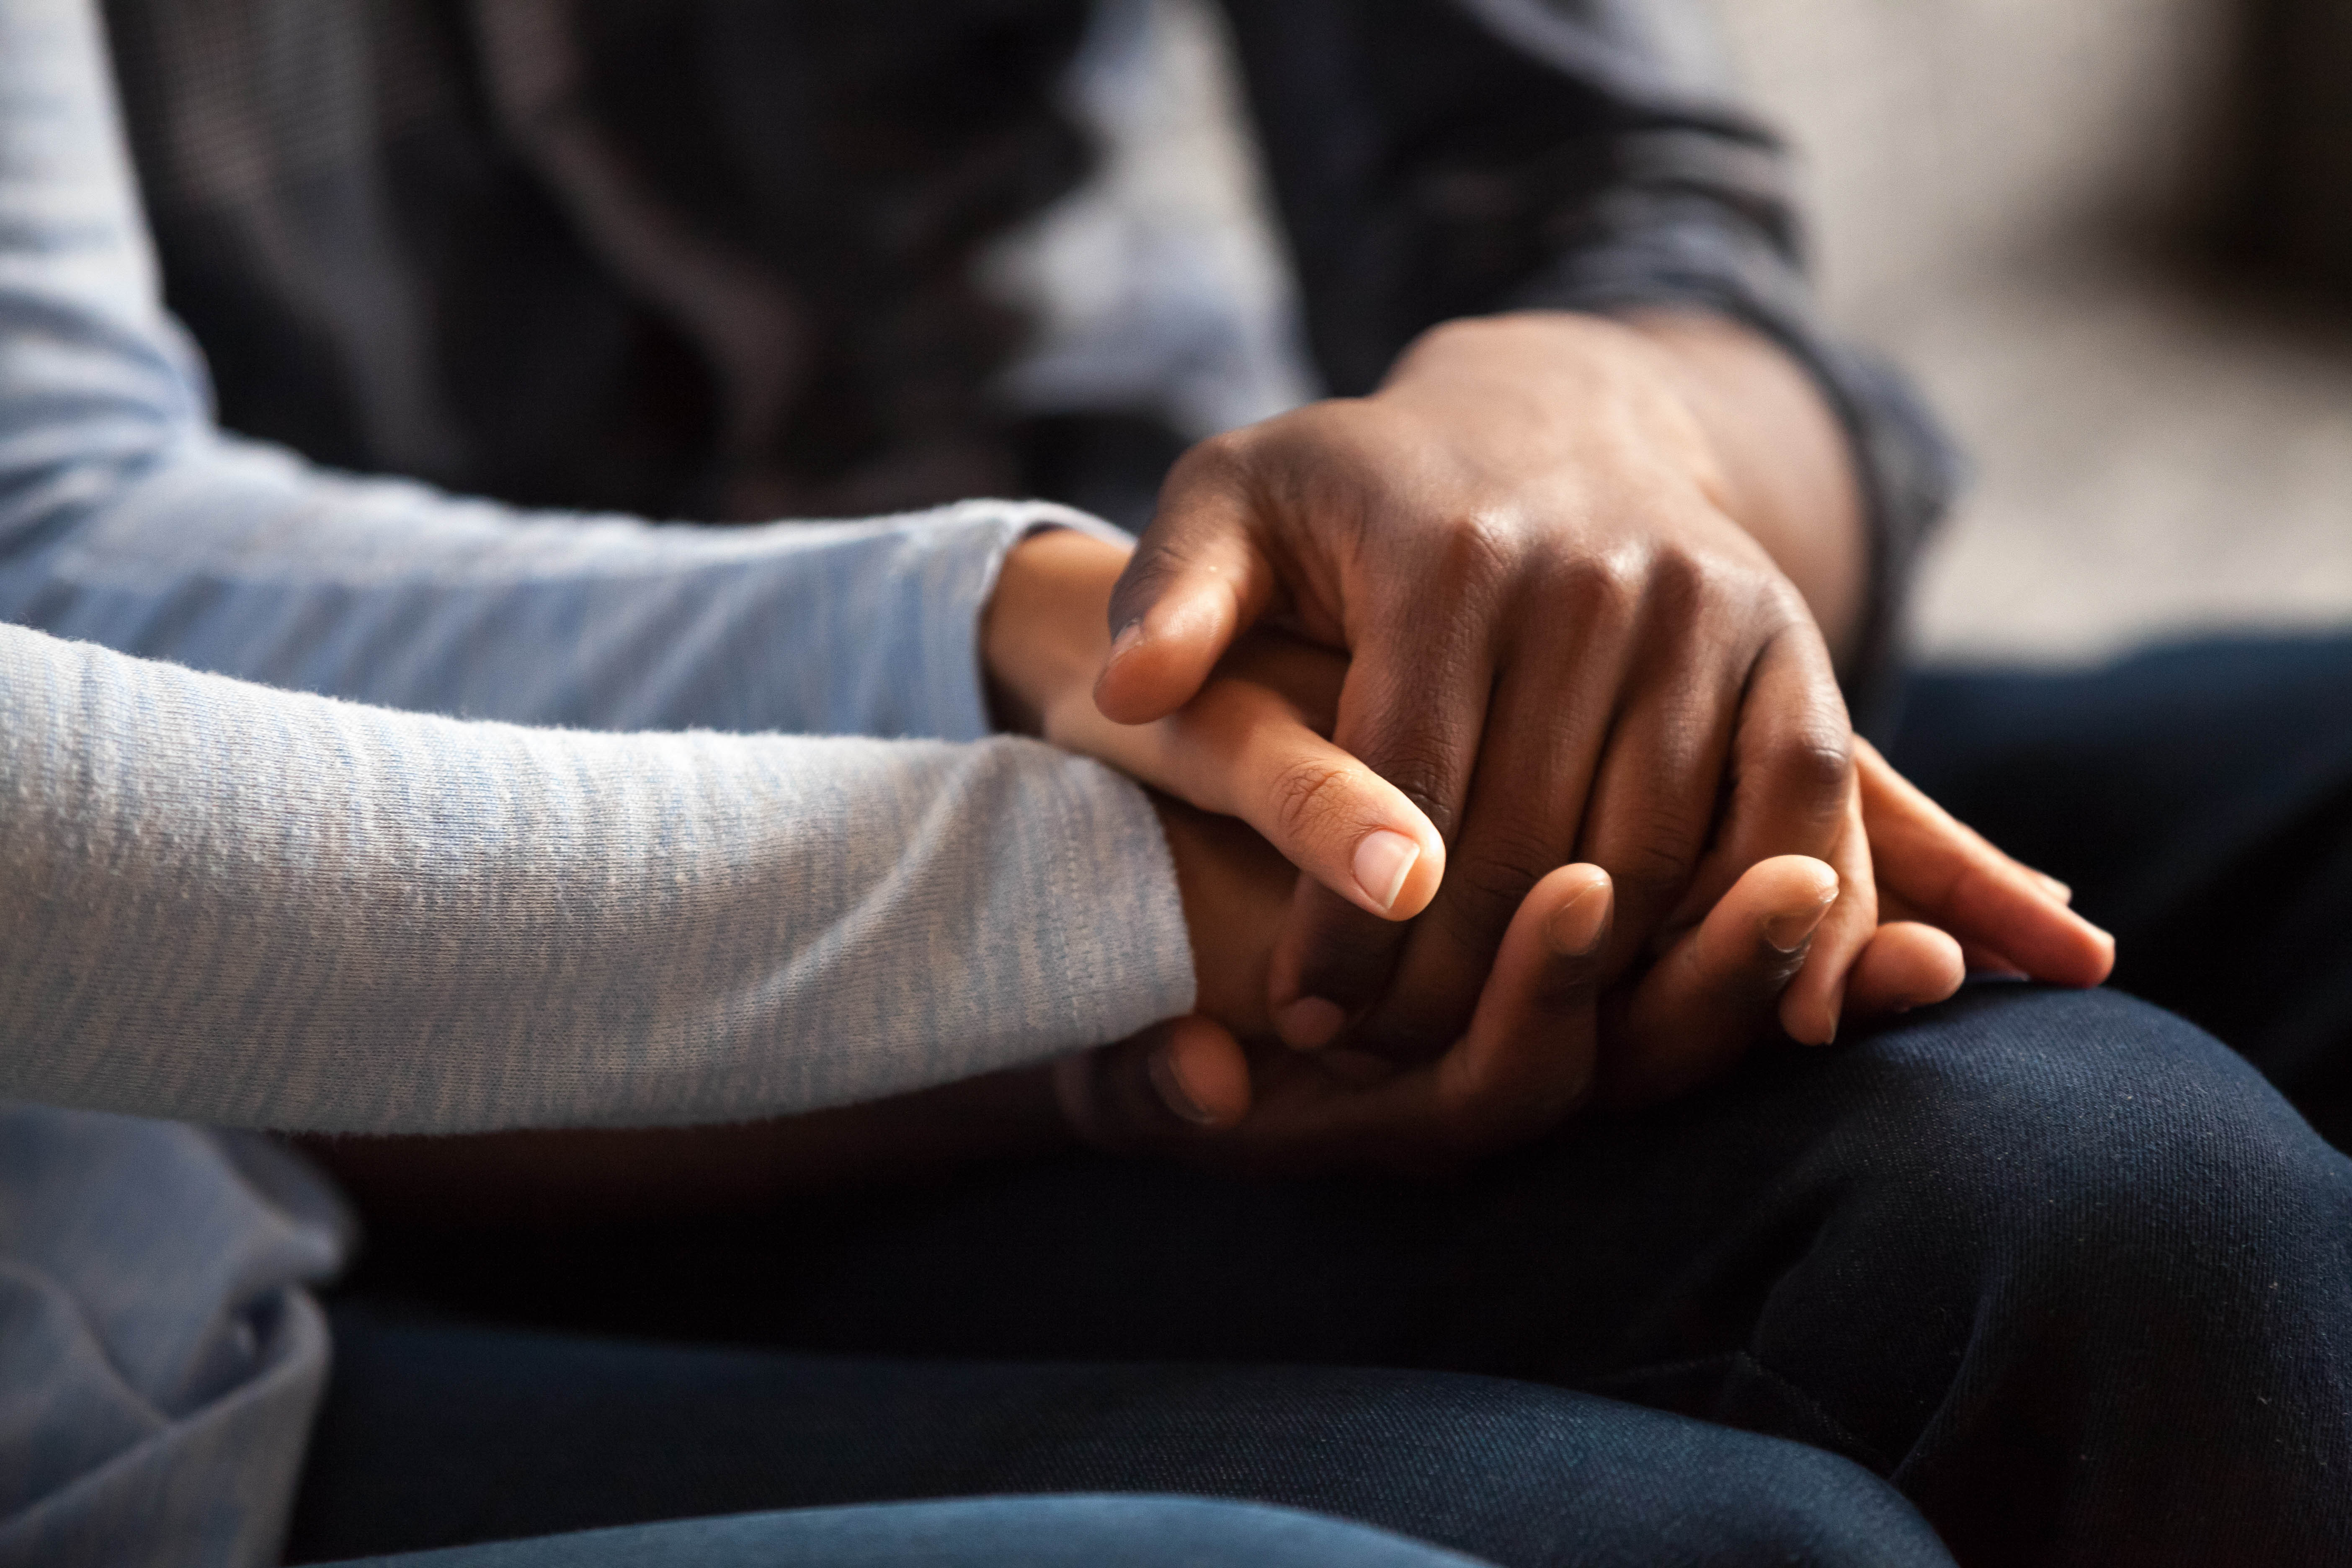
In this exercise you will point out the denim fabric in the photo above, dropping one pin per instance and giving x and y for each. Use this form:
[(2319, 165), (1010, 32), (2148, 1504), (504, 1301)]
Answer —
[(977, 1532), (447, 1433), (2061, 1267), (2199, 798)]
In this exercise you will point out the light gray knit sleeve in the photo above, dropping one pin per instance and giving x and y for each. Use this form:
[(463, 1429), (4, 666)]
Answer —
[(231, 904), (127, 520)]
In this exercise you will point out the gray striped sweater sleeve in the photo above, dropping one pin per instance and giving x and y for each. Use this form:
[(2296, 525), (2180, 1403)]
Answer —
[(234, 899)]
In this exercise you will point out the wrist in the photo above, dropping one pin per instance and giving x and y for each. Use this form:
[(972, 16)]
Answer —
[(1045, 633), (1789, 467), (1234, 889)]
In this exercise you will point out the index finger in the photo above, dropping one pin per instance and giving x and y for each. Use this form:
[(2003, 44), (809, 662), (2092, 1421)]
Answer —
[(1412, 710), (1946, 873)]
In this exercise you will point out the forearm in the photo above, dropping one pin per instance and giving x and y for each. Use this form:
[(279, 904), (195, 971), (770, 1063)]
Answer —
[(224, 903), (232, 558)]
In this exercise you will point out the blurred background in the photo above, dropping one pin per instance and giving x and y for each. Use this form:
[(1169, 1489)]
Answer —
[(2111, 238)]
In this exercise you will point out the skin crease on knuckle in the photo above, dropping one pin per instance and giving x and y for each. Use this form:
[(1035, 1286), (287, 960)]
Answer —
[(1486, 883), (1814, 764), (1311, 799), (1656, 864)]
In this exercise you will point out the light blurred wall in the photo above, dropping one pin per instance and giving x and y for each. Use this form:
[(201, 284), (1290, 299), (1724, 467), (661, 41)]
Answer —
[(1944, 138), (2000, 193)]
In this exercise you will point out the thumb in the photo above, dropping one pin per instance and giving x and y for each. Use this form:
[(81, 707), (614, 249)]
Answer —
[(1197, 579), (1716, 991)]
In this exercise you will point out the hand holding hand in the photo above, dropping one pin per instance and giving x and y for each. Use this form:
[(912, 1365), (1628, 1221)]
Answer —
[(1562, 646)]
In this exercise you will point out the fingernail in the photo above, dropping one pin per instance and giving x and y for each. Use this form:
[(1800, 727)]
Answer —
[(1383, 860), (1161, 1065), (1576, 928), (1310, 1024), (1128, 636), (2054, 887), (1786, 932)]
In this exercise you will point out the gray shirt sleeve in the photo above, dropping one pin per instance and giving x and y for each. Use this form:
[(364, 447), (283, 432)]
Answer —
[(236, 905), (231, 901)]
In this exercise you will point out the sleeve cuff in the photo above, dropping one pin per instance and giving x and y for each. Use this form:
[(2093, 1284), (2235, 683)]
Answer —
[(955, 583)]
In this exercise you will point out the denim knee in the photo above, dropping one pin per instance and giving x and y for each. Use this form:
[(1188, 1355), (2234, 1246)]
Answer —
[(2068, 1247), (2085, 1136)]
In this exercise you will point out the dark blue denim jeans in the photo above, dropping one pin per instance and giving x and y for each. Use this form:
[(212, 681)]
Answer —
[(2063, 1270), (1114, 1531)]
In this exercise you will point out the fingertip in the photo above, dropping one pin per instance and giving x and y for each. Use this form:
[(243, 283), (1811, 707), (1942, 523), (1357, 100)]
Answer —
[(1199, 1075), (1140, 681), (1397, 870), (1945, 971), (1797, 892), (1585, 905), (1310, 1024), (1933, 969), (2101, 958), (1809, 1020), (1907, 964)]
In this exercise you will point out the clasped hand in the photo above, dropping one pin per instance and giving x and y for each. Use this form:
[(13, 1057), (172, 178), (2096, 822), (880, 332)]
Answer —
[(1553, 744)]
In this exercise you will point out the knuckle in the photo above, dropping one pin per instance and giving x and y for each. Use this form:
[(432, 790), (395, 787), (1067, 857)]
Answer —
[(1423, 773), (1485, 885), (1606, 588), (1214, 458), (1311, 797), (1476, 548), (1655, 869), (1785, 605), (1155, 565), (1814, 762), (1681, 579)]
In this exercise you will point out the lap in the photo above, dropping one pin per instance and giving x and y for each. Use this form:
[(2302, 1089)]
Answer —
[(2199, 798), (443, 1433), (977, 1532), (1976, 1253)]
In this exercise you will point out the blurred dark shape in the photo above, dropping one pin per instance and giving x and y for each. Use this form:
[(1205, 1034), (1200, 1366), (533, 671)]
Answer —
[(673, 257), (2289, 210)]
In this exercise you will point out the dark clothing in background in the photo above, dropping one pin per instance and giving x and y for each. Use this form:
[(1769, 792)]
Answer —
[(2058, 1266), (707, 258)]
